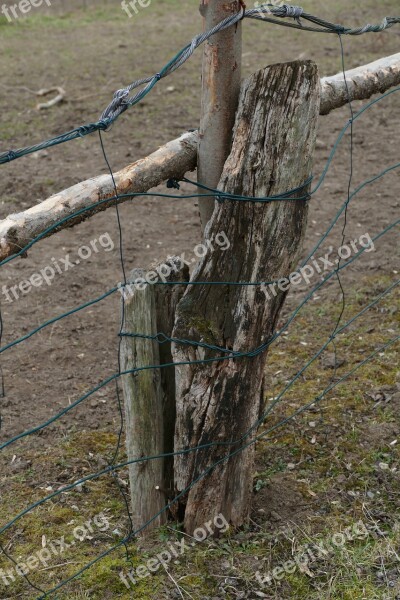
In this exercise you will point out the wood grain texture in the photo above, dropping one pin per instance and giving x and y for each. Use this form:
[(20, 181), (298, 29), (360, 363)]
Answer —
[(150, 401), (143, 407), (272, 152), (167, 298)]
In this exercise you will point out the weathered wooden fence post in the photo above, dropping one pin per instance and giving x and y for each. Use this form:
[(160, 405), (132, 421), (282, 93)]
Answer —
[(221, 78), (149, 395), (272, 152), (143, 406)]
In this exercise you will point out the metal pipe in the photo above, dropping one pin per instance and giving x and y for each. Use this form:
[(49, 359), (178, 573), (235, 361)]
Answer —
[(221, 77)]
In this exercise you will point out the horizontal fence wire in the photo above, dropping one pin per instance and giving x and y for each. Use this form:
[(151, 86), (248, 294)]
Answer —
[(222, 195), (121, 102)]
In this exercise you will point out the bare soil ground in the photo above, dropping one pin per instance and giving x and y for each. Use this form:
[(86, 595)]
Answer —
[(91, 53)]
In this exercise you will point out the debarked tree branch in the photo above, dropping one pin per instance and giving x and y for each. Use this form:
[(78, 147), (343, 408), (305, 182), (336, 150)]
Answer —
[(172, 160)]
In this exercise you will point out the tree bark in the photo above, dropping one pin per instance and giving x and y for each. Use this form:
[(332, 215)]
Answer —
[(272, 152)]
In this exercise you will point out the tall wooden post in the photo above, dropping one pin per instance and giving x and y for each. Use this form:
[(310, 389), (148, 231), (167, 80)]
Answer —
[(219, 402), (220, 92)]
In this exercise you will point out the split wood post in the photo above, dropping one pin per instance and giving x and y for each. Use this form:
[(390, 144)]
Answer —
[(167, 298), (221, 78), (272, 152), (150, 394), (143, 407)]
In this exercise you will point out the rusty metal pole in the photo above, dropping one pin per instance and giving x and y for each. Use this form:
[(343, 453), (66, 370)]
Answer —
[(221, 78)]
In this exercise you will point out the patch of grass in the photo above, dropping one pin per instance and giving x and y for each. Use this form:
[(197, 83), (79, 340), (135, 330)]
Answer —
[(338, 456)]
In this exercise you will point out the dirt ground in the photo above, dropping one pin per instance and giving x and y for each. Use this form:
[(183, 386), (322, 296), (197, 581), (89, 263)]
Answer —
[(72, 355), (91, 53)]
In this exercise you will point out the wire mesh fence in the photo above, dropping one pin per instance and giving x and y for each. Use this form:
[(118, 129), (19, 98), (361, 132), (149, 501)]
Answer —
[(264, 427)]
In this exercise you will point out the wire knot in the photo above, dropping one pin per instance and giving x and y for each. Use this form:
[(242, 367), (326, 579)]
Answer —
[(83, 130), (120, 95), (117, 105), (103, 124), (173, 183), (11, 155), (293, 11)]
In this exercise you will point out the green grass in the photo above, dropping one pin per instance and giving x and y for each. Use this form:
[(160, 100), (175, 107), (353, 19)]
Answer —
[(334, 472)]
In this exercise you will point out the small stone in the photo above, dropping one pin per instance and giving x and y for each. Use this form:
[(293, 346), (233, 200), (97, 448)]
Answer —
[(330, 361), (383, 466), (275, 516), (20, 465), (378, 396), (40, 154), (319, 145)]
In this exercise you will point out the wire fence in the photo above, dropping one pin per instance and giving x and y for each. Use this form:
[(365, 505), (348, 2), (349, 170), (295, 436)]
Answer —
[(287, 16)]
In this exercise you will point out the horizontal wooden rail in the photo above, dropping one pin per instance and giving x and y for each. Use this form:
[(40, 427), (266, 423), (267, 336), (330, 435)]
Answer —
[(170, 161), (362, 83)]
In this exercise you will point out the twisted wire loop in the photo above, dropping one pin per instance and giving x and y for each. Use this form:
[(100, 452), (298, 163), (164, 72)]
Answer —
[(118, 103), (11, 155), (293, 11), (122, 100)]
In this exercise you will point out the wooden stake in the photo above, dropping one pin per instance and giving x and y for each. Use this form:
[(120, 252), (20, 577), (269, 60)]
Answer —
[(143, 406), (272, 152), (150, 403)]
